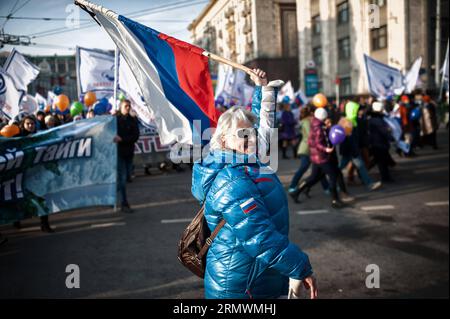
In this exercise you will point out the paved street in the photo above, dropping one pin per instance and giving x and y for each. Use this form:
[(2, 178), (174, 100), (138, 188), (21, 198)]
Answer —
[(402, 228)]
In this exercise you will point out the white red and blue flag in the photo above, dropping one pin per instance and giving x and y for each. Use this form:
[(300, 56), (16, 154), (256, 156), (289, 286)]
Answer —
[(249, 205), (173, 76)]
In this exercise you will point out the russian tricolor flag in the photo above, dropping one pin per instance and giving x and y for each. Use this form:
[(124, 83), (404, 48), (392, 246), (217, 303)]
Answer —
[(173, 76)]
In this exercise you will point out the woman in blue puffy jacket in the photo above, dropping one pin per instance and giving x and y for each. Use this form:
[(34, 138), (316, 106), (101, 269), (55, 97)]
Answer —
[(251, 257)]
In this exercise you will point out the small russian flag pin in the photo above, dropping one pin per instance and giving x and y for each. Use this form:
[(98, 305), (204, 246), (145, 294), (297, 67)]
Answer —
[(249, 205)]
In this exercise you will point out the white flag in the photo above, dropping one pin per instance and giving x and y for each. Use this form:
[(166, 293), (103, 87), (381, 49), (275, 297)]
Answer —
[(384, 80), (223, 75), (29, 104), (286, 91), (50, 98), (95, 72), (412, 76), (22, 71), (10, 96), (444, 70), (128, 84), (41, 101)]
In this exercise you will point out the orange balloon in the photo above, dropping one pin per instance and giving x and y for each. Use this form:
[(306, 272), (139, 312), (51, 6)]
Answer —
[(10, 130), (47, 108), (320, 100), (90, 98), (62, 102), (347, 125)]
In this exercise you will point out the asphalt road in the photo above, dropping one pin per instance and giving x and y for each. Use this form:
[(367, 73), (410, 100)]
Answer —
[(402, 228)]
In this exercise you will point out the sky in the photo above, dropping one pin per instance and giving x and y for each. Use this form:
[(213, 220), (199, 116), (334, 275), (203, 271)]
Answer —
[(162, 15)]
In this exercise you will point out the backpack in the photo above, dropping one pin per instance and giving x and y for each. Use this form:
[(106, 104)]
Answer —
[(195, 242)]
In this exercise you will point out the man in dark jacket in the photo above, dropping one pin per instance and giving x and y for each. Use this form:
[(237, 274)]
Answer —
[(127, 135), (379, 139)]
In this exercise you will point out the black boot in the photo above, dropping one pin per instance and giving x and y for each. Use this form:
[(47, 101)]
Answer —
[(45, 226), (302, 188), (336, 202)]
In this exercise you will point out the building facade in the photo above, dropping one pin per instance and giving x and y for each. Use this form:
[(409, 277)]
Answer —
[(256, 33), (336, 34)]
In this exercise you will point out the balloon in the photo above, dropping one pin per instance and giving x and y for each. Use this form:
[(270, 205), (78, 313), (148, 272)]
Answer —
[(76, 109), (90, 98), (320, 100), (108, 107), (47, 108), (220, 100), (122, 97), (62, 103), (347, 125), (415, 114), (99, 108), (10, 130), (57, 90), (337, 135)]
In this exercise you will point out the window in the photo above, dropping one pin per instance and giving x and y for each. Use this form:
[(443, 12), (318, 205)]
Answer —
[(317, 56), (346, 86), (316, 24), (343, 12), (344, 48), (378, 38)]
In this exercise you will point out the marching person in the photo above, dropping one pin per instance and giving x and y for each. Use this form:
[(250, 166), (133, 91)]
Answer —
[(251, 257), (28, 127), (350, 150), (429, 122), (127, 135), (288, 135), (306, 115), (379, 139), (321, 158)]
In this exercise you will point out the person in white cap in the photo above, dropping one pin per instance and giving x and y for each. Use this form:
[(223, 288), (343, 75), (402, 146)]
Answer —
[(320, 152), (379, 139)]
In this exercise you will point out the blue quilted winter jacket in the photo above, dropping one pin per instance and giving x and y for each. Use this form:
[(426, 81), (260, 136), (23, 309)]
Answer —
[(251, 257)]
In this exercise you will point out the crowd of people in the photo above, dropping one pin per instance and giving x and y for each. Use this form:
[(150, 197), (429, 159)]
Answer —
[(408, 120)]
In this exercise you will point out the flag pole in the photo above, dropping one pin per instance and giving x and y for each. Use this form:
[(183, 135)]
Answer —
[(219, 59), (116, 75)]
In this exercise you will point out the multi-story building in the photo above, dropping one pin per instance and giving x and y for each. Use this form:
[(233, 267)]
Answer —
[(257, 33), (336, 34)]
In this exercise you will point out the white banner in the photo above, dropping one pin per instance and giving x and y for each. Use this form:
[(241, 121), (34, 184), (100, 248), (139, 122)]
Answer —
[(95, 72), (127, 83), (384, 81), (22, 71), (9, 96)]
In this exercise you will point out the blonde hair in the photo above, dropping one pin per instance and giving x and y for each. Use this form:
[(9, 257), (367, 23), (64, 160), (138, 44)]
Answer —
[(228, 121)]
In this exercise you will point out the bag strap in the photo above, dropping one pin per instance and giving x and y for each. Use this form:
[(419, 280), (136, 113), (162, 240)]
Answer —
[(210, 239)]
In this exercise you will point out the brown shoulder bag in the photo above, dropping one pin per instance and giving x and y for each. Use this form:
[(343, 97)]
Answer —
[(195, 242)]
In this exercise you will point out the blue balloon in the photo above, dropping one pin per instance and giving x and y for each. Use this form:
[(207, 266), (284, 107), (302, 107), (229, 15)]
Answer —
[(57, 90), (220, 100), (100, 108), (337, 135), (415, 114)]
